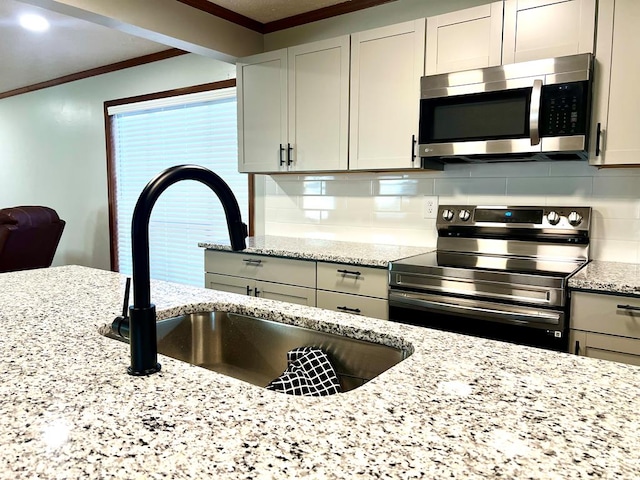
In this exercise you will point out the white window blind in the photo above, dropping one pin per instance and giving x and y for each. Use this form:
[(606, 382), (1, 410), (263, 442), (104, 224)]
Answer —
[(151, 136)]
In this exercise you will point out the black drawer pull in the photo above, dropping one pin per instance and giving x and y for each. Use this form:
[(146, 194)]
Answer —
[(347, 309), (349, 272), (281, 154), (577, 349), (251, 261), (629, 307), (249, 290), (257, 292)]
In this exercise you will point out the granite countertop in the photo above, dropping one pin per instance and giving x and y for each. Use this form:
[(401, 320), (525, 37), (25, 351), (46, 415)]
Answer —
[(458, 407), (353, 253), (608, 277)]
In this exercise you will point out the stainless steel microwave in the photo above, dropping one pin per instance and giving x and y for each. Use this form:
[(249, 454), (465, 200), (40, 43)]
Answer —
[(537, 110)]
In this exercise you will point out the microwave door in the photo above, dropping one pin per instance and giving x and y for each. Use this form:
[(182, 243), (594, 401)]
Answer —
[(486, 123)]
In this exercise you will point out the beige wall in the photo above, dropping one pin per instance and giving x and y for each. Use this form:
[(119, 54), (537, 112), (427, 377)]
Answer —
[(52, 147)]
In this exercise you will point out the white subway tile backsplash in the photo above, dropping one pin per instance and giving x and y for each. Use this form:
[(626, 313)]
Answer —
[(623, 186), (470, 186), (614, 250), (389, 207), (545, 186), (571, 169), (516, 169)]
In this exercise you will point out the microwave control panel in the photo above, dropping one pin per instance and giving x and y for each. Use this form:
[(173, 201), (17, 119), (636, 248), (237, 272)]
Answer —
[(564, 109)]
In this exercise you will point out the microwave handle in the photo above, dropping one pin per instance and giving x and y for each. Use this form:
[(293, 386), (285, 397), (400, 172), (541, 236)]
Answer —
[(534, 112)]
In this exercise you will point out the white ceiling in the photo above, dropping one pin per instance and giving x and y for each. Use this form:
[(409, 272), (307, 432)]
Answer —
[(72, 45)]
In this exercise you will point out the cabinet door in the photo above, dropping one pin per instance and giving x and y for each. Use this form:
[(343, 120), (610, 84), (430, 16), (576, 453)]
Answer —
[(286, 293), (605, 347), (262, 112), (463, 40), (225, 283), (319, 105), (386, 66), (535, 29), (616, 79)]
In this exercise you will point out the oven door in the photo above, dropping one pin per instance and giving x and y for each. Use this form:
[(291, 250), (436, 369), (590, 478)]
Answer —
[(512, 323)]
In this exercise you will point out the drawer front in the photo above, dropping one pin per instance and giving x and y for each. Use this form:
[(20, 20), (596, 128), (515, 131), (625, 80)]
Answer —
[(608, 347), (261, 267), (601, 313), (286, 293), (338, 277), (355, 304)]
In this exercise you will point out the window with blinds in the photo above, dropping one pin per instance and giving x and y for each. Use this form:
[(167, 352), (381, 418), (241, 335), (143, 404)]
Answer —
[(148, 137)]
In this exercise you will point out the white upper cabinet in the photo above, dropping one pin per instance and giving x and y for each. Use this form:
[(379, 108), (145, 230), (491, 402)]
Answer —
[(463, 40), (386, 66), (319, 105), (536, 29), (616, 100), (262, 112), (293, 108)]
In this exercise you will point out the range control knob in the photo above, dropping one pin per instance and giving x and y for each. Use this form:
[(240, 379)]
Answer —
[(447, 215), (553, 218), (575, 219), (464, 215)]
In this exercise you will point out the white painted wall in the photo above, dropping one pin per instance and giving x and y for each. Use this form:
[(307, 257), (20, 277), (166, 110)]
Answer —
[(53, 149)]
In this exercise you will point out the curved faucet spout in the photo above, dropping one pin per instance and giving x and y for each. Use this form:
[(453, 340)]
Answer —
[(142, 328)]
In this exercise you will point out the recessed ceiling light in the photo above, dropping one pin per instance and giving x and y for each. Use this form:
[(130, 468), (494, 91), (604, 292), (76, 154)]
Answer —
[(35, 23)]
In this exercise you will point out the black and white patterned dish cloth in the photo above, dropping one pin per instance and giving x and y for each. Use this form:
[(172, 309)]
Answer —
[(309, 372)]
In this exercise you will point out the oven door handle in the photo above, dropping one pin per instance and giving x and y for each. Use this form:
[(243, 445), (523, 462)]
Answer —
[(397, 299)]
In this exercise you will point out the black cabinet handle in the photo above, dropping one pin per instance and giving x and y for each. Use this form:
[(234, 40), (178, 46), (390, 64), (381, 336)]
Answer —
[(349, 272), (289, 152), (347, 309), (252, 261), (413, 148), (249, 290), (256, 292), (281, 154), (577, 349), (598, 135), (628, 307)]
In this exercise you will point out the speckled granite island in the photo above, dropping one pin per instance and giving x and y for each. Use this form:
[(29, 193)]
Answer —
[(354, 253), (458, 407)]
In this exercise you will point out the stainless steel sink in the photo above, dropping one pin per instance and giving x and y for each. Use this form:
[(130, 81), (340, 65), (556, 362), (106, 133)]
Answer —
[(255, 350)]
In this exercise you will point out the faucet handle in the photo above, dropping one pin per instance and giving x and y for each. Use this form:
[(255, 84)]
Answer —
[(120, 325)]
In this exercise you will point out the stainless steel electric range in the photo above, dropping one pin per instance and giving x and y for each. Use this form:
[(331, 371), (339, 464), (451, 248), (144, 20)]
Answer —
[(498, 272)]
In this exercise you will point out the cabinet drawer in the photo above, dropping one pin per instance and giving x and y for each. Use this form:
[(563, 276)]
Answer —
[(607, 347), (261, 267), (338, 277), (341, 302), (600, 313)]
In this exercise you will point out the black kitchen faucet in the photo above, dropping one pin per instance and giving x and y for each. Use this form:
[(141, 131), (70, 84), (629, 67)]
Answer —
[(142, 315)]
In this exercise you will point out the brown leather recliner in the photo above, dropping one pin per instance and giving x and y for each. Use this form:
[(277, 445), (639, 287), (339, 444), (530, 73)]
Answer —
[(29, 237)]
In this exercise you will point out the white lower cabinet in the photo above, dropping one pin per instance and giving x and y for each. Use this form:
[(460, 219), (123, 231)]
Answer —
[(333, 286), (282, 279), (353, 289), (605, 326)]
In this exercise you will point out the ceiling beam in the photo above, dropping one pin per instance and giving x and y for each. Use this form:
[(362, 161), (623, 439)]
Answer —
[(167, 22)]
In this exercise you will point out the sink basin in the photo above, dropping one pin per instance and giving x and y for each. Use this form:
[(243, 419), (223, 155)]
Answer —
[(255, 350)]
